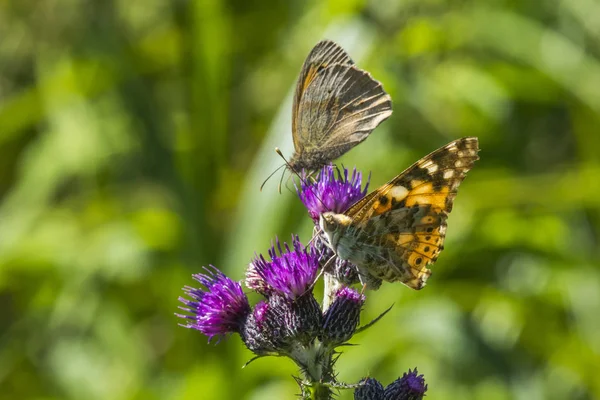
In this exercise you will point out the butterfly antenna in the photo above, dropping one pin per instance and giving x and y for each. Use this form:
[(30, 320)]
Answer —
[(285, 161), (269, 177), (294, 171), (281, 181)]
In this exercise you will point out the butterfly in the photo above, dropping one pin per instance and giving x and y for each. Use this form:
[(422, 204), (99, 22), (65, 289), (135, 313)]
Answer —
[(395, 232), (336, 106)]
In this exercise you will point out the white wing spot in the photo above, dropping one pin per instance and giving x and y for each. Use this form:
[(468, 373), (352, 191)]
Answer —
[(432, 168), (448, 174), (398, 192), (458, 164)]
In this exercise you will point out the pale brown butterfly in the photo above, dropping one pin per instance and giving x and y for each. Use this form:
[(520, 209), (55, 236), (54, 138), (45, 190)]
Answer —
[(395, 232), (336, 106)]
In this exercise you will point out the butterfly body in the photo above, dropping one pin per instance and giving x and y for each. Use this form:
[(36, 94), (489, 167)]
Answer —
[(395, 232), (336, 106)]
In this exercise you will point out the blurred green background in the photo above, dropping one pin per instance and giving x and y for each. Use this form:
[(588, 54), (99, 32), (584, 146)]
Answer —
[(134, 137)]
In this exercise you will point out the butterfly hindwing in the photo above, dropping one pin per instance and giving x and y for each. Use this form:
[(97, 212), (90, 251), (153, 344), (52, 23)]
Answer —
[(405, 241), (401, 226), (336, 106)]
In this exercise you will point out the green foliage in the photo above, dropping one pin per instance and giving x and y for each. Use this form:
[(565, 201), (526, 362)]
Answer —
[(134, 137)]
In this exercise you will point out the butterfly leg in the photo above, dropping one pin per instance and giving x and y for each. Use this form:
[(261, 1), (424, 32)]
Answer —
[(328, 264), (368, 280)]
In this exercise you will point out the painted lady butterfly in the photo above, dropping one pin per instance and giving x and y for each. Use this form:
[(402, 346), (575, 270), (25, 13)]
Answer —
[(395, 232)]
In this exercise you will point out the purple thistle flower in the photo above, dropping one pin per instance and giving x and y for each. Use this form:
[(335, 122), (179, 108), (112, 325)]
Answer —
[(219, 309), (410, 386), (331, 193), (290, 273), (342, 317), (370, 389), (254, 279)]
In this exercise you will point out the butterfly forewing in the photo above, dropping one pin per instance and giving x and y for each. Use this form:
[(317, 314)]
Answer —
[(399, 229), (324, 54), (336, 106)]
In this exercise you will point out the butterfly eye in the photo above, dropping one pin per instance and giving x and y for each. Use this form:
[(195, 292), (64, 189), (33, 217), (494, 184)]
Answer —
[(327, 222)]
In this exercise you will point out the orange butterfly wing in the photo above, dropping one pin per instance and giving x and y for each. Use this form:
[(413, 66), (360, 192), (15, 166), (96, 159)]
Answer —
[(405, 219)]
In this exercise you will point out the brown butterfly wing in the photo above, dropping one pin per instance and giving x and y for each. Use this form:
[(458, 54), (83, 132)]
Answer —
[(339, 109), (324, 54), (336, 106), (404, 221)]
